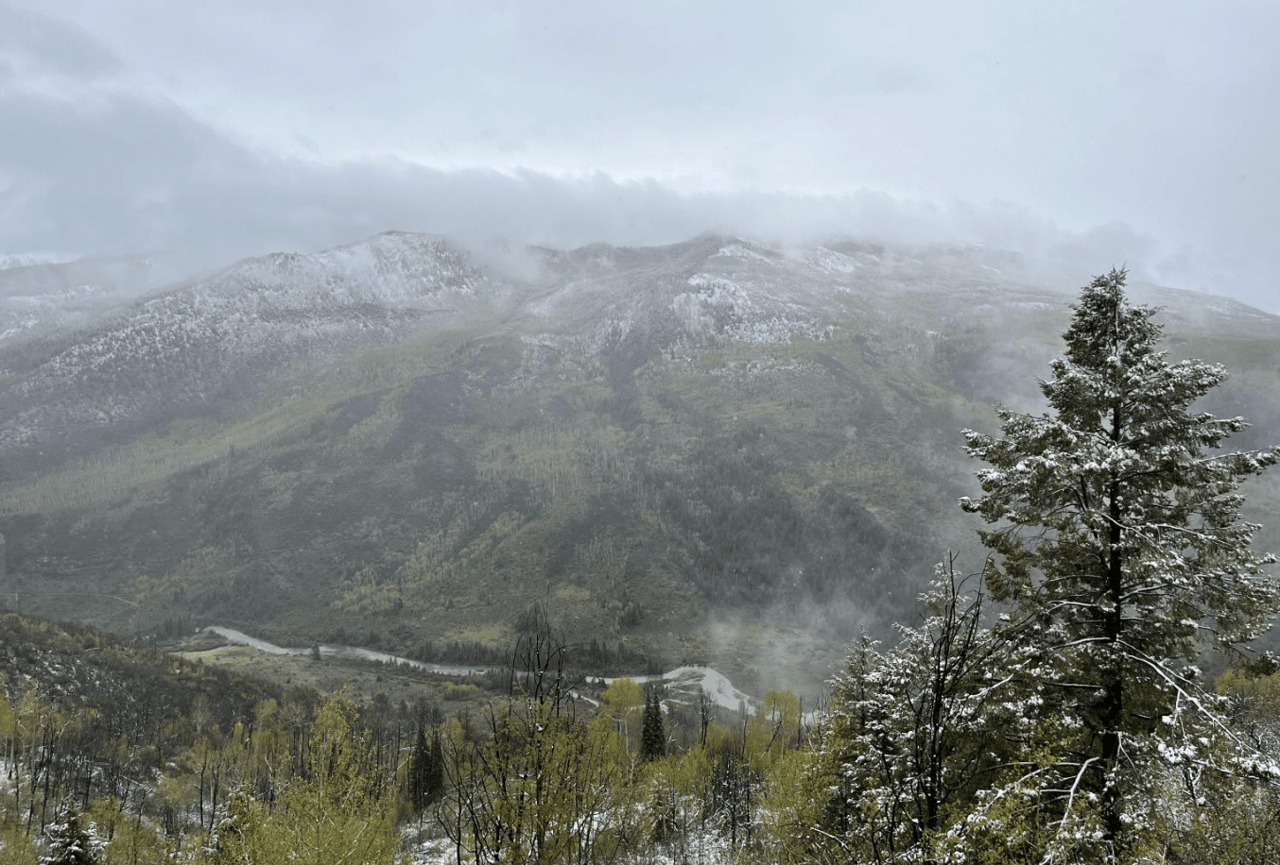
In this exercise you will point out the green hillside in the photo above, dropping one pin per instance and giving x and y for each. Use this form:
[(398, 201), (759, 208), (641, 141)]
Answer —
[(734, 490)]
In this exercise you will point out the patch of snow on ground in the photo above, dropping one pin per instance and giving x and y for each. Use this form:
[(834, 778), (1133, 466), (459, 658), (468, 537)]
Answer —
[(1231, 309), (713, 683), (717, 293), (242, 639)]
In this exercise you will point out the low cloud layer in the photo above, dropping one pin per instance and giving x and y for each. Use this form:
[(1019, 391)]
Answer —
[(125, 174), (104, 152)]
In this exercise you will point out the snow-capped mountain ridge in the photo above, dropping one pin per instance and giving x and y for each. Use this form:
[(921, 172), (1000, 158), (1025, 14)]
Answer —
[(211, 338), (207, 340)]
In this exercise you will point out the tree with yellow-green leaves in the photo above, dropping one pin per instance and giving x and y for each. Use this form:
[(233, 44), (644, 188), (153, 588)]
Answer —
[(544, 785), (622, 702), (333, 813), (16, 847), (673, 793)]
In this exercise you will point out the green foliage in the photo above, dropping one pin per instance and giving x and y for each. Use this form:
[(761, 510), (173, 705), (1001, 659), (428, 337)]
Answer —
[(774, 730), (542, 789), (7, 717), (130, 839), (16, 847), (335, 811), (1233, 821), (799, 808), (674, 793), (622, 702)]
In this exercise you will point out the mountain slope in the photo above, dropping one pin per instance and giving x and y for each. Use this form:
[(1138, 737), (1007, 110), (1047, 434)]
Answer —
[(709, 452), (203, 345)]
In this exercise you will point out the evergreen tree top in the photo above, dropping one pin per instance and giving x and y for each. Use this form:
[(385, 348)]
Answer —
[(1106, 330)]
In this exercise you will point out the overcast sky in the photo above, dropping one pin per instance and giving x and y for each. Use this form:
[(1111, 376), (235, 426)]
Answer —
[(1087, 133)]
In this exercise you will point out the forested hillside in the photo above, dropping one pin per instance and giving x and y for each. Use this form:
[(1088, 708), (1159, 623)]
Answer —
[(710, 452)]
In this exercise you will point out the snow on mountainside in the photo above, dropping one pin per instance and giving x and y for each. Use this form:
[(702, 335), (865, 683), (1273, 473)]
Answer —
[(692, 450), (40, 297), (92, 368), (32, 259), (628, 302), (211, 339), (78, 368)]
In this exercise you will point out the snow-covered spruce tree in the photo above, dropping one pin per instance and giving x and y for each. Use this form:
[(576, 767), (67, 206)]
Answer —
[(1120, 553)]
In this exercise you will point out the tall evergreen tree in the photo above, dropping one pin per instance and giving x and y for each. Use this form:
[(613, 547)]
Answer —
[(1121, 552), (426, 770), (419, 769), (653, 734), (435, 768)]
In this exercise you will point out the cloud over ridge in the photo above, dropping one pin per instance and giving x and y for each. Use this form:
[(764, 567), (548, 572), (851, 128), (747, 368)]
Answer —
[(106, 150)]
